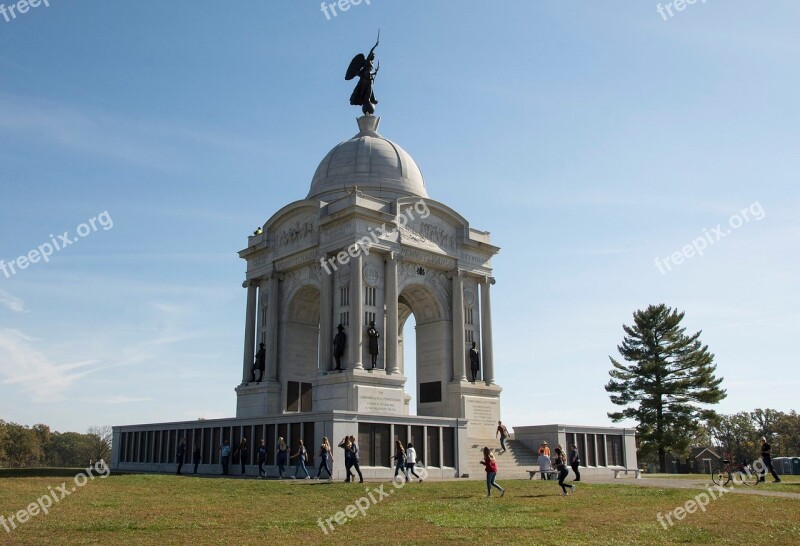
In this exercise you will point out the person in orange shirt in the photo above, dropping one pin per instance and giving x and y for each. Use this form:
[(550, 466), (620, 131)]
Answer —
[(543, 449)]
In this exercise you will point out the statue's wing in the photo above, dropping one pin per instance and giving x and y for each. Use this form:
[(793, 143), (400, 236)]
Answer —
[(355, 66)]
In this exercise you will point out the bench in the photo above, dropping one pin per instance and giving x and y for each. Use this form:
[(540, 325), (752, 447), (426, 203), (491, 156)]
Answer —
[(532, 473), (626, 470)]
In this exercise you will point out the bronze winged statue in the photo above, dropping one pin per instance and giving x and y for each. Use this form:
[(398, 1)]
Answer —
[(361, 66)]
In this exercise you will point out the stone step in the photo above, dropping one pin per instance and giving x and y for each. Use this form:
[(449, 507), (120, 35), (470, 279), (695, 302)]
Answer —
[(513, 463)]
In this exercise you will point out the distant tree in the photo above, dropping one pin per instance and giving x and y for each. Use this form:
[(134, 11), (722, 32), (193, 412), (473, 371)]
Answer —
[(670, 375), (99, 442), (3, 441), (68, 449), (43, 437), (765, 422), (787, 427), (702, 437), (21, 446), (737, 436)]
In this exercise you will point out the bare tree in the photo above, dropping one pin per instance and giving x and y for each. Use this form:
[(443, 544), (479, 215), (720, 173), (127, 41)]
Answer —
[(100, 442)]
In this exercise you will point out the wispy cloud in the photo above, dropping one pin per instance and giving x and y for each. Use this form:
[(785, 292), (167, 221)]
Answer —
[(21, 363), (119, 399), (12, 302), (99, 133)]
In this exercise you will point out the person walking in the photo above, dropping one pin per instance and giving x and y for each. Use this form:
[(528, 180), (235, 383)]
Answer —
[(225, 456), (301, 460), (766, 457), (180, 454), (575, 461), (560, 462), (356, 459), (243, 451), (490, 465), (399, 460), (502, 431), (262, 458), (411, 461), (196, 458), (348, 457), (283, 456), (326, 458)]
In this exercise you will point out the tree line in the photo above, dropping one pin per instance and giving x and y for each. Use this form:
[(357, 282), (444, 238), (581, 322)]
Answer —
[(738, 435), (37, 446)]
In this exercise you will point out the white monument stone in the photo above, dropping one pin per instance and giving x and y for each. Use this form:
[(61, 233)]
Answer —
[(368, 244)]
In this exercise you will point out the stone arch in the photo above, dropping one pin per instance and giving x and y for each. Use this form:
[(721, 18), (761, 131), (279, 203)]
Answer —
[(299, 335), (433, 345)]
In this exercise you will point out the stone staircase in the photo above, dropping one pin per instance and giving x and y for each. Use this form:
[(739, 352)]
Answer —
[(514, 463)]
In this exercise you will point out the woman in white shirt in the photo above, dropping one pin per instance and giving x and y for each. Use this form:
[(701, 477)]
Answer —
[(411, 460)]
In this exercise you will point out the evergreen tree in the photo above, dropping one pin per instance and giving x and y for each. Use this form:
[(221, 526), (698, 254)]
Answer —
[(669, 376)]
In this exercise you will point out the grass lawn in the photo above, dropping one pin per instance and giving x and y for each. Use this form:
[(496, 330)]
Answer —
[(163, 510)]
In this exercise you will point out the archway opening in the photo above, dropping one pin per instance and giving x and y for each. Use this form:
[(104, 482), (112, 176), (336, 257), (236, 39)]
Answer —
[(423, 339), (407, 354), (299, 349)]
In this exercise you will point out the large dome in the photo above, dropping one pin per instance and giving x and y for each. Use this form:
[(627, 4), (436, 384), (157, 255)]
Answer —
[(376, 165)]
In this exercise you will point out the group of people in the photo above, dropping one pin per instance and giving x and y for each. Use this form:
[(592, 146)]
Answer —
[(561, 460), (405, 459), (181, 455)]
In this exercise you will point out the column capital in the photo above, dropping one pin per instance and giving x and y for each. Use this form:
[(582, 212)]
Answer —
[(393, 256), (456, 273), (488, 280)]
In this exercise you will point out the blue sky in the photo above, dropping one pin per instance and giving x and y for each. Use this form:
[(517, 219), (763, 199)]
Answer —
[(588, 137)]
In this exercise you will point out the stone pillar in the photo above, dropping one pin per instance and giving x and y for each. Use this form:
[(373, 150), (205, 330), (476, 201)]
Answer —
[(391, 296), (249, 331), (261, 321), (325, 321), (356, 331), (486, 330), (459, 370), (271, 341)]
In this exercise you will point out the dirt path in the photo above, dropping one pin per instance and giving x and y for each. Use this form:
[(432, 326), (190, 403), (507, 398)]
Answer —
[(761, 489)]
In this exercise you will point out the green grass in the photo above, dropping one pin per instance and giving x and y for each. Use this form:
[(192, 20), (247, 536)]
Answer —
[(164, 510)]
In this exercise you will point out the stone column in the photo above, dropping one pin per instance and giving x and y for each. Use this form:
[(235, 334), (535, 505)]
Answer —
[(459, 370), (325, 321), (249, 330), (391, 296), (356, 331), (486, 330), (271, 341)]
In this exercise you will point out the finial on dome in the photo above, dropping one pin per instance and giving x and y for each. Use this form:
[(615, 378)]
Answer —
[(368, 125)]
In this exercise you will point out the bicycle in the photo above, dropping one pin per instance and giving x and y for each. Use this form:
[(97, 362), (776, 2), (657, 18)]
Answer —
[(728, 472)]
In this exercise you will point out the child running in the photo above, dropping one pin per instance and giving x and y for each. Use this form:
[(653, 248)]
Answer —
[(560, 462), (491, 472)]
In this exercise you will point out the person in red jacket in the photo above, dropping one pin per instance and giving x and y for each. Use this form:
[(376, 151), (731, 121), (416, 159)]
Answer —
[(491, 472)]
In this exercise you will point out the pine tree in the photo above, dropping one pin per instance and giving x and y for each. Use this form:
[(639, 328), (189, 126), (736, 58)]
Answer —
[(669, 376)]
